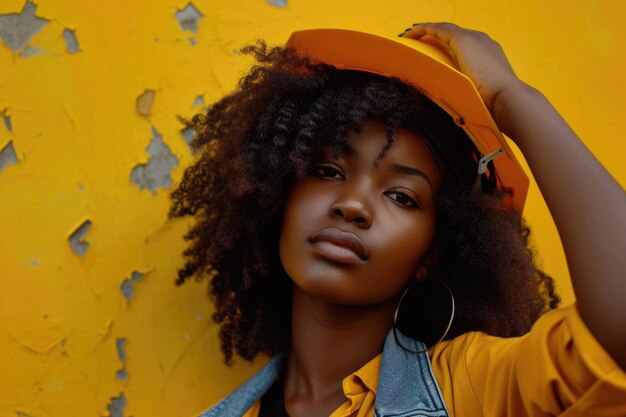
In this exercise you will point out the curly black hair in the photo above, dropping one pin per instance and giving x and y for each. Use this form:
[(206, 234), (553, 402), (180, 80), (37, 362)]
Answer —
[(255, 142)]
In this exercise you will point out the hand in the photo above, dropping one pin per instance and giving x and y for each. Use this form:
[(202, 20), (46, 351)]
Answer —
[(477, 56), (593, 238)]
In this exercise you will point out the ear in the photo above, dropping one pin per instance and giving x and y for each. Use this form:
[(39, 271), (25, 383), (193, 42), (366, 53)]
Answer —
[(427, 264)]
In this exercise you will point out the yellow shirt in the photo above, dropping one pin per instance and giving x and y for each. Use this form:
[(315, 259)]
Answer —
[(558, 368)]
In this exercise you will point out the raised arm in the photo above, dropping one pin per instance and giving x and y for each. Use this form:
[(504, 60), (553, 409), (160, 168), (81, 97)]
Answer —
[(587, 204)]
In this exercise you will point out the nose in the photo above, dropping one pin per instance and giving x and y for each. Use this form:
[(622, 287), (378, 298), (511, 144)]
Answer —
[(352, 209)]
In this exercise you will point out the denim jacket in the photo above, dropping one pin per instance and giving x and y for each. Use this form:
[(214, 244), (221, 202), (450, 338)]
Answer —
[(406, 385)]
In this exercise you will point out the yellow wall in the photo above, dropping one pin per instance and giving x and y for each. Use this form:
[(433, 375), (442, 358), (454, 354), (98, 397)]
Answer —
[(72, 343)]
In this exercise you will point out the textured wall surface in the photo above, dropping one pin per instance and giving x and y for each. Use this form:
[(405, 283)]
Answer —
[(90, 321)]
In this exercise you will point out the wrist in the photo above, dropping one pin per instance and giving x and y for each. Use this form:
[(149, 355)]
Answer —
[(509, 102)]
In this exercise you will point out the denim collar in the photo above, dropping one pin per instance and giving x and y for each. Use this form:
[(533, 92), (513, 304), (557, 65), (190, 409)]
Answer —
[(406, 385)]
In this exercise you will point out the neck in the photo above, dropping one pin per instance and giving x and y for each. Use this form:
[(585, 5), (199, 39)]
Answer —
[(329, 342)]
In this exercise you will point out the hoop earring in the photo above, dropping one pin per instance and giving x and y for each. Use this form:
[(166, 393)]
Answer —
[(395, 316)]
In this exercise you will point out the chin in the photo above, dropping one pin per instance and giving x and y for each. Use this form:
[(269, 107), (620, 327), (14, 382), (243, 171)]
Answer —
[(334, 290)]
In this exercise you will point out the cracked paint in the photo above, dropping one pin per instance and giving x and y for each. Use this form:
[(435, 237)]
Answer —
[(79, 123), (71, 42), (128, 286), (76, 239), (157, 172), (7, 156), (16, 29), (144, 102), (117, 405), (41, 337), (188, 18)]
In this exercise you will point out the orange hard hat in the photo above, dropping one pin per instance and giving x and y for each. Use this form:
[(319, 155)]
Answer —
[(428, 67)]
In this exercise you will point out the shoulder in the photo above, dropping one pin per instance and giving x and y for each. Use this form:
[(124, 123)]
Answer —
[(551, 368)]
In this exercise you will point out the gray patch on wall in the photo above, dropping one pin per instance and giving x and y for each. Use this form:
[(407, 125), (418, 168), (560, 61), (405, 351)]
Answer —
[(79, 246), (7, 121), (199, 101), (117, 405), (18, 28), (121, 374), (157, 172), (277, 3), (121, 345), (7, 156), (30, 51), (128, 286), (188, 133), (188, 18), (71, 42)]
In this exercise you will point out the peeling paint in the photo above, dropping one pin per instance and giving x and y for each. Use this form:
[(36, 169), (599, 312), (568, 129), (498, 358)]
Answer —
[(188, 134), (278, 3), (71, 42), (16, 29), (157, 172), (117, 405), (188, 18), (77, 135), (7, 156), (144, 102), (121, 345), (128, 286), (80, 246), (7, 120), (30, 51), (199, 101)]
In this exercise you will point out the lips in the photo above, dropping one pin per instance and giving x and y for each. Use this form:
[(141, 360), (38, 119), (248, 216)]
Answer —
[(344, 240)]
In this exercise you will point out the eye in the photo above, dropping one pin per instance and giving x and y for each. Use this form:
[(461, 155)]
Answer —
[(402, 199), (327, 171)]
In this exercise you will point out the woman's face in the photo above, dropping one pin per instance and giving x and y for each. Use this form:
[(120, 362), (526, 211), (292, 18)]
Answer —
[(355, 234)]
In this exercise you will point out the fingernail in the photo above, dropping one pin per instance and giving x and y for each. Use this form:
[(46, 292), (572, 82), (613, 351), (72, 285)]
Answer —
[(405, 31)]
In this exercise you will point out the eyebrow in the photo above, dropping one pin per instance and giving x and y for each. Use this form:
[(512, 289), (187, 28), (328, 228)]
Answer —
[(400, 169), (403, 169)]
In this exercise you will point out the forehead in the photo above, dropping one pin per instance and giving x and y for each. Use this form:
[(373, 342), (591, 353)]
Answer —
[(408, 149)]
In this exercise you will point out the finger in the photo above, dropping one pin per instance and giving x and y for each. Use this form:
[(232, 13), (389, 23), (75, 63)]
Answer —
[(444, 32)]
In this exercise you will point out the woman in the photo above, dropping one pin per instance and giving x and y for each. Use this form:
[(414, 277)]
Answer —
[(342, 218)]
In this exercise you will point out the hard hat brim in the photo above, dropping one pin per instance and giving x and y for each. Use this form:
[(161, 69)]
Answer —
[(428, 68)]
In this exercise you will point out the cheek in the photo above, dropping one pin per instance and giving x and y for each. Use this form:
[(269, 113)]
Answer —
[(401, 251), (301, 206)]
